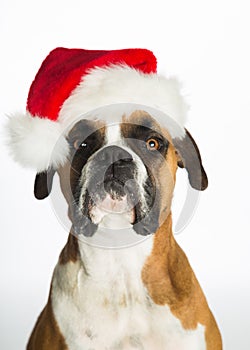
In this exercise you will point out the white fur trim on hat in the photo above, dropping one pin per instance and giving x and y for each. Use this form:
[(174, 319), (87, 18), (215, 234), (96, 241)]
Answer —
[(123, 84), (36, 142)]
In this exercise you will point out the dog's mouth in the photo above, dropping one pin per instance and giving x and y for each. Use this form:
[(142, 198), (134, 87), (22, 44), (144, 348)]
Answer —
[(113, 201), (113, 212), (112, 204)]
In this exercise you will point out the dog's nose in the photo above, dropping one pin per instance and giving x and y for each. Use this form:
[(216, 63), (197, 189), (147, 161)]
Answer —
[(113, 154)]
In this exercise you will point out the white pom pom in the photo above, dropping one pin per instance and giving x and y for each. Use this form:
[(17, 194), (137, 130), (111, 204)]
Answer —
[(36, 142)]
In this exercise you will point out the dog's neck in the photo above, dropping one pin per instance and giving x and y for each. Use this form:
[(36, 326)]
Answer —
[(102, 263), (112, 264), (113, 275)]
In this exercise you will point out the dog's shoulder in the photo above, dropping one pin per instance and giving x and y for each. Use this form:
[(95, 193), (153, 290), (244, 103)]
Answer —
[(46, 333)]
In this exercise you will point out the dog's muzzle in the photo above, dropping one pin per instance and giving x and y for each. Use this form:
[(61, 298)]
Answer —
[(110, 185), (113, 168)]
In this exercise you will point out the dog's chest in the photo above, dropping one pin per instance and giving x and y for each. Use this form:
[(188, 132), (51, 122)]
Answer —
[(106, 306)]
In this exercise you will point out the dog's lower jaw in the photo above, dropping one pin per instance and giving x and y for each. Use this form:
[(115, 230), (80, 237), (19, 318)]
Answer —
[(143, 220), (87, 228)]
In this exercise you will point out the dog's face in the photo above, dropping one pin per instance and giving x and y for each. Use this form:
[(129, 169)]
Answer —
[(120, 172), (123, 174)]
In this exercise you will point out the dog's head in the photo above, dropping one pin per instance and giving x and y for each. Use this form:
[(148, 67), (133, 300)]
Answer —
[(122, 174)]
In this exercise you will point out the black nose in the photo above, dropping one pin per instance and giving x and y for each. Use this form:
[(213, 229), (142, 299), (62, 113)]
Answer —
[(113, 154), (118, 167)]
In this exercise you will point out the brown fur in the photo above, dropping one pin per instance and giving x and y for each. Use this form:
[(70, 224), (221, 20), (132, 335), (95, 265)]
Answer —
[(46, 334), (170, 281), (70, 252)]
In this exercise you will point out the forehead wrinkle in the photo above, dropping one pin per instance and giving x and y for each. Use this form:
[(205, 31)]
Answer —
[(135, 130), (142, 118)]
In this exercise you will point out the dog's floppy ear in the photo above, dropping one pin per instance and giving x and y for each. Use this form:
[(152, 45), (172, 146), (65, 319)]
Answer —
[(43, 183), (190, 159)]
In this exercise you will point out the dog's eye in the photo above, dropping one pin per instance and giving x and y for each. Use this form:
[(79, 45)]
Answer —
[(79, 144), (153, 144)]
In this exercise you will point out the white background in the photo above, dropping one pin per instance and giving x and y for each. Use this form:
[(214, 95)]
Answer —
[(204, 43)]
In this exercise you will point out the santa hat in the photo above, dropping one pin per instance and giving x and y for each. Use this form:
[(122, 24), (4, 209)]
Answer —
[(72, 82)]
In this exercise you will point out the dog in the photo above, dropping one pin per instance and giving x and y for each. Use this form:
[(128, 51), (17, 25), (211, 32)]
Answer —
[(145, 296), (113, 131)]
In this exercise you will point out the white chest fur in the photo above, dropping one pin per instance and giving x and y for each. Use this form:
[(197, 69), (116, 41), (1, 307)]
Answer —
[(104, 305)]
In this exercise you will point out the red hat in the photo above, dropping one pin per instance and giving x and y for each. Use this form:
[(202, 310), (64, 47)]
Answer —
[(72, 82), (63, 69)]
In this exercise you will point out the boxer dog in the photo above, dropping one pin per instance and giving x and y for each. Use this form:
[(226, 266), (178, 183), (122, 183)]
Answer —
[(145, 296)]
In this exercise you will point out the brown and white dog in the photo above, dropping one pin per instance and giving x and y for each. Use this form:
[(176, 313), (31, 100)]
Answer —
[(121, 177), (113, 130)]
